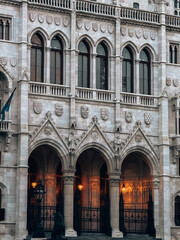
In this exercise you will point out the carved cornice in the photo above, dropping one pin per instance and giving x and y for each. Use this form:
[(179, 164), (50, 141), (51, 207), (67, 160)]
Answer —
[(13, 3), (49, 9), (138, 23)]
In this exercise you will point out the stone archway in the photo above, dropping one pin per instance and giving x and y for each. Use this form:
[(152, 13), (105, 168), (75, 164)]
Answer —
[(91, 198), (136, 195), (45, 164)]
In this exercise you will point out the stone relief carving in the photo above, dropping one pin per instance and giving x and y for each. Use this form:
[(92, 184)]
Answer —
[(66, 21), (49, 19), (103, 28), (41, 18), (152, 34), (95, 26), (48, 130), (176, 82), (110, 29), (3, 61), (176, 154), (128, 116), (114, 182), (8, 141), (13, 62), (131, 32), (57, 20), (147, 118), (58, 109), (145, 35), (37, 106), (138, 138), (79, 24), (168, 82), (123, 31), (87, 26), (84, 111), (68, 180), (94, 135), (104, 114), (32, 16), (138, 33)]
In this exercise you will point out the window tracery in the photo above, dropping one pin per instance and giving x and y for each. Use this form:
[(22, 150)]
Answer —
[(5, 24)]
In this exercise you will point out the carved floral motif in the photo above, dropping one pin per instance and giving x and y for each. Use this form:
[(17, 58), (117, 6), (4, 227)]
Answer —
[(138, 138)]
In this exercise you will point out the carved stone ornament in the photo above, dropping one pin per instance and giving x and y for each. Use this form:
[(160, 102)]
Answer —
[(94, 135), (103, 28), (138, 33), (57, 20), (176, 82), (114, 182), (95, 119), (145, 34), (104, 114), (123, 31), (131, 32), (110, 29), (156, 184), (58, 109), (152, 34), (41, 18), (79, 24), (138, 138), (13, 62), (168, 82), (68, 180), (84, 111), (49, 19), (147, 118), (128, 116), (48, 130), (32, 16), (3, 61), (87, 26), (37, 106), (66, 21), (95, 26)]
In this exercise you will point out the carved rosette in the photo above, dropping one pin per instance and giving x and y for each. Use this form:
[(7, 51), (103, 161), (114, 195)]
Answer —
[(138, 138), (68, 180), (94, 135), (114, 182)]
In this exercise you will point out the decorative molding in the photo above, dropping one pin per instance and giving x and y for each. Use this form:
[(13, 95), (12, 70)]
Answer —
[(128, 116), (59, 109), (48, 129), (41, 18), (123, 31), (87, 26), (147, 118), (104, 114), (32, 16), (84, 111), (3, 61), (114, 182), (68, 180), (8, 141), (37, 107), (66, 21), (13, 62), (103, 28), (79, 24), (7, 71), (168, 81), (156, 183), (176, 82), (131, 32), (95, 26), (57, 21), (49, 19)]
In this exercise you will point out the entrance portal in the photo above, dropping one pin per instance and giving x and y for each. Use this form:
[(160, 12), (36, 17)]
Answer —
[(91, 194), (136, 205), (45, 164)]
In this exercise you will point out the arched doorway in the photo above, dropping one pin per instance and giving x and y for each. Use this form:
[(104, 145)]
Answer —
[(91, 198), (45, 164), (136, 196)]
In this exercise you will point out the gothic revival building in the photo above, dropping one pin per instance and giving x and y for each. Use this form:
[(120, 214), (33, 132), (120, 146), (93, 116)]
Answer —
[(95, 116)]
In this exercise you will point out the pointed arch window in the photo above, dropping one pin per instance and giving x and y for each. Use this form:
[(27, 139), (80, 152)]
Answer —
[(7, 26), (177, 210), (56, 65), (37, 58), (102, 67), (83, 64), (144, 73), (127, 70), (170, 54), (1, 29), (175, 3)]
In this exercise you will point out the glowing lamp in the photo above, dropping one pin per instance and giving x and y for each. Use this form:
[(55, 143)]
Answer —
[(123, 187), (80, 187), (34, 184)]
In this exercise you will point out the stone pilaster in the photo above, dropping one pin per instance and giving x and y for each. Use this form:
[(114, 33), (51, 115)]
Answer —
[(156, 207), (69, 205), (114, 207)]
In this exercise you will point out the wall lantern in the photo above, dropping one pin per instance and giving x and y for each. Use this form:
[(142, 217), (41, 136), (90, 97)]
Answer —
[(34, 184), (80, 187), (123, 187)]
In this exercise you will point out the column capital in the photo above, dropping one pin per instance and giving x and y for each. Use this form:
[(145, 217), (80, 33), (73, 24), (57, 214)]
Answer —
[(156, 183), (114, 182), (68, 180)]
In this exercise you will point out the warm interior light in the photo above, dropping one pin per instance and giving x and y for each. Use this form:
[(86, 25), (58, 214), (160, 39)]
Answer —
[(34, 184), (123, 187), (80, 187)]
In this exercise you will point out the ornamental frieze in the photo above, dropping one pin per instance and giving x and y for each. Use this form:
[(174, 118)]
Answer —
[(138, 33)]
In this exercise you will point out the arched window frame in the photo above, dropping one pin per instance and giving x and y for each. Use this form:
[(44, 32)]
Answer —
[(103, 60), (57, 52), (142, 65), (81, 67), (7, 30), (170, 54), (177, 211), (1, 29), (37, 49), (3, 202), (126, 62)]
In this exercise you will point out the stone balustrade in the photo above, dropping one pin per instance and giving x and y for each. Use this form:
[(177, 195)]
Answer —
[(5, 126), (53, 3), (172, 20)]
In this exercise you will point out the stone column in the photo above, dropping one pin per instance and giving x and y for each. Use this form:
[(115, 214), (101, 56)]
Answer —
[(156, 207), (114, 207), (47, 68), (69, 205), (136, 74)]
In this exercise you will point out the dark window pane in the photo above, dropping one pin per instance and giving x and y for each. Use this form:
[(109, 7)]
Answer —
[(126, 53), (141, 85), (170, 54), (55, 43), (101, 50), (85, 72), (52, 68), (80, 62), (175, 55), (144, 73), (177, 211), (98, 73), (1, 29), (83, 47), (144, 56), (58, 68), (39, 66), (7, 31), (127, 71), (33, 64), (37, 40)]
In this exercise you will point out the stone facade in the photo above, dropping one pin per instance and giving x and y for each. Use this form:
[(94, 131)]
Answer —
[(71, 119)]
